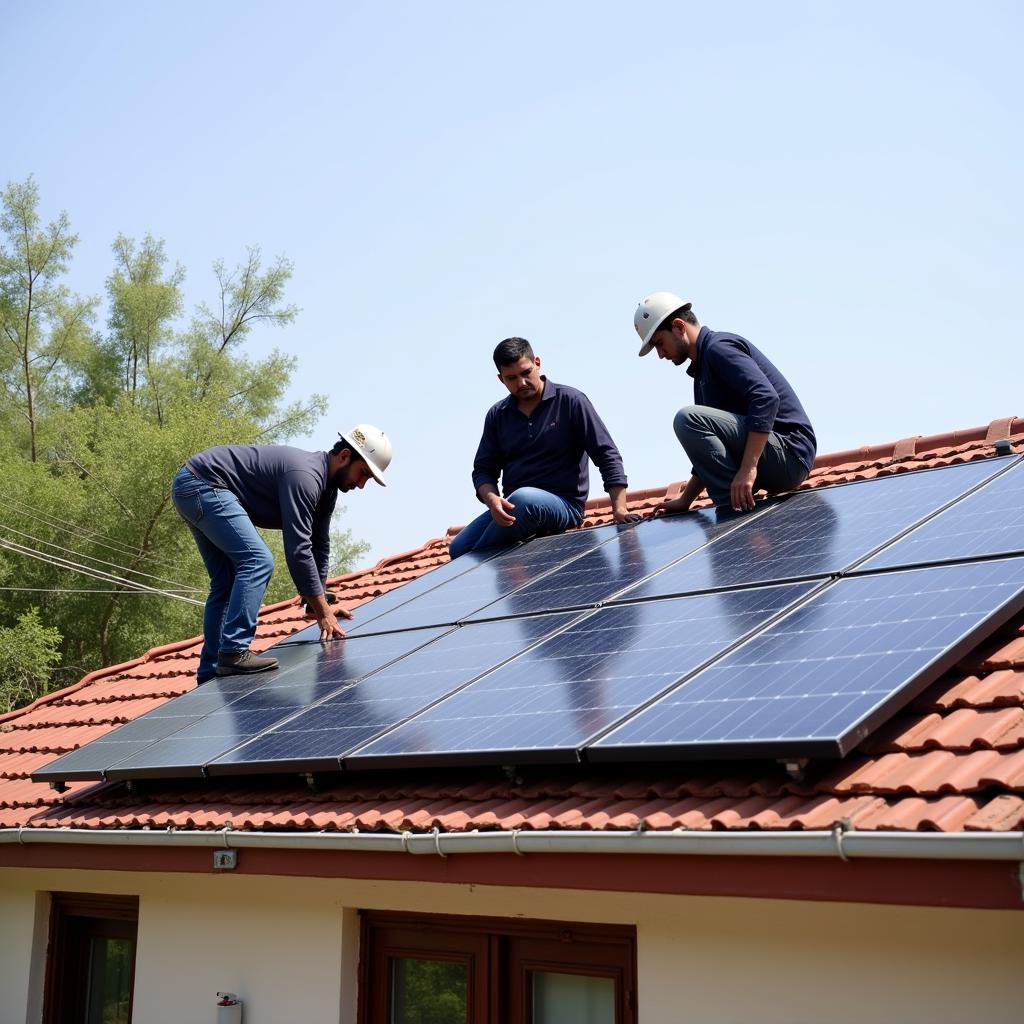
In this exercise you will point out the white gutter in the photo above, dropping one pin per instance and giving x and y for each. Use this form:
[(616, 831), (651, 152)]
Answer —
[(845, 844)]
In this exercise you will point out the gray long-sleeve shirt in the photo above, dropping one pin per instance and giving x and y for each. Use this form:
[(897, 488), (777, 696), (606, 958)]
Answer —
[(280, 488)]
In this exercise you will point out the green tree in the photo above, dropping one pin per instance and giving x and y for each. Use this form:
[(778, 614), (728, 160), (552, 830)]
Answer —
[(28, 650), (44, 326), (88, 535)]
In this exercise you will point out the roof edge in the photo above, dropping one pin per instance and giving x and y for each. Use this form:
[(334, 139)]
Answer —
[(839, 842)]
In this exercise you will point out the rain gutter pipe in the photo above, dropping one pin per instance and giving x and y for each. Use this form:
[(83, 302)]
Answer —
[(843, 843)]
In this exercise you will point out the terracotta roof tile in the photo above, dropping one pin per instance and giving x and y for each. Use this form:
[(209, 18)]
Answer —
[(953, 760)]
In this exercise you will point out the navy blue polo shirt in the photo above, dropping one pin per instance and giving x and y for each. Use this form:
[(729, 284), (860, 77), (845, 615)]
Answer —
[(549, 448), (280, 488), (731, 374)]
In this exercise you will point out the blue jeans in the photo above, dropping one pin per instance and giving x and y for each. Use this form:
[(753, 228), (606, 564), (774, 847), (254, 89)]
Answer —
[(714, 440), (536, 511), (238, 561)]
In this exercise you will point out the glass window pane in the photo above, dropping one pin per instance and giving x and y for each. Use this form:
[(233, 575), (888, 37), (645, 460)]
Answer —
[(110, 981), (572, 999), (428, 991)]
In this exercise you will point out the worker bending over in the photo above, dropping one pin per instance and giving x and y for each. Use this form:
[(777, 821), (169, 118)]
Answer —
[(226, 492)]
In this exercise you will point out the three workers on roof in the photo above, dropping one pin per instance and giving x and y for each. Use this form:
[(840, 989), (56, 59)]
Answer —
[(747, 431)]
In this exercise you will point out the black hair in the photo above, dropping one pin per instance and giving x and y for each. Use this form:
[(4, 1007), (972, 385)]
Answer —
[(340, 445), (684, 313), (511, 350)]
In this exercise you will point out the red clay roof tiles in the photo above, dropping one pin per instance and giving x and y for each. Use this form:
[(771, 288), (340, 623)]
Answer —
[(953, 760)]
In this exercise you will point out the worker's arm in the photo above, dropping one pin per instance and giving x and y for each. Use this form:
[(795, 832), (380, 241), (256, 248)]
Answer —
[(501, 508), (620, 510), (320, 609), (691, 491), (741, 494)]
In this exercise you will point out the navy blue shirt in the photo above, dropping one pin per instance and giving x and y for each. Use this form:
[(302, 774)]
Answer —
[(731, 374), (549, 448), (284, 489)]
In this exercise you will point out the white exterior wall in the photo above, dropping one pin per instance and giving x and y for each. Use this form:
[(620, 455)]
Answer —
[(289, 948)]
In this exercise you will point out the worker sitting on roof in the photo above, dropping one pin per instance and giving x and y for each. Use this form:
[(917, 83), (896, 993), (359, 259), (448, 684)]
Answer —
[(537, 440), (747, 430), (225, 492)]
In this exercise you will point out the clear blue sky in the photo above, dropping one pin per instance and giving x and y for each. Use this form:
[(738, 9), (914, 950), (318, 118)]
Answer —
[(842, 184)]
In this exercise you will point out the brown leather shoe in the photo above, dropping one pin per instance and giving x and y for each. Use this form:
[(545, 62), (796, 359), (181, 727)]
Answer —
[(243, 663)]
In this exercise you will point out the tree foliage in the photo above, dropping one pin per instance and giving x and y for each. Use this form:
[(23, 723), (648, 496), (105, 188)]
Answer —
[(96, 420)]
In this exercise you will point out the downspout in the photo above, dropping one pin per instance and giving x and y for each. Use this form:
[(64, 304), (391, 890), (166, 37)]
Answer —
[(847, 845)]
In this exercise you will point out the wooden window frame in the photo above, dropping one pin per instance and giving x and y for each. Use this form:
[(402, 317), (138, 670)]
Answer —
[(500, 953), (74, 919)]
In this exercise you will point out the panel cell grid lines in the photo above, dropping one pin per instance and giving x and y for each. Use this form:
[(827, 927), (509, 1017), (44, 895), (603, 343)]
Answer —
[(316, 739), (821, 678), (546, 703), (988, 522), (818, 532), (457, 599), (179, 737)]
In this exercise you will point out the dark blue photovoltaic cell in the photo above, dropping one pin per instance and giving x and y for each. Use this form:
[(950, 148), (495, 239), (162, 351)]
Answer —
[(316, 739), (91, 760), (505, 572), (632, 553), (579, 682), (817, 532), (223, 712), (819, 679), (988, 522)]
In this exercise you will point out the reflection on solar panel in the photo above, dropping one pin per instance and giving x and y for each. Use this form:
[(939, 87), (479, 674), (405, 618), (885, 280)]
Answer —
[(579, 682), (177, 738), (988, 522), (816, 533), (791, 632), (507, 571), (821, 678), (316, 739), (631, 553)]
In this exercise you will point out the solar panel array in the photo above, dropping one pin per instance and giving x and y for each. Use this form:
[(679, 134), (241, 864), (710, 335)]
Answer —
[(792, 631)]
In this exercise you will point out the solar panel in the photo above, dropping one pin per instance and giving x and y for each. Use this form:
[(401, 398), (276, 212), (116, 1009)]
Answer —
[(316, 739), (816, 533), (988, 522), (177, 738), (631, 553), (546, 703), (507, 571), (822, 677)]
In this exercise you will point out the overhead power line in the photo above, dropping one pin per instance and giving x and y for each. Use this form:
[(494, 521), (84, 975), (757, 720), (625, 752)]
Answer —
[(102, 561), (67, 526), (91, 571)]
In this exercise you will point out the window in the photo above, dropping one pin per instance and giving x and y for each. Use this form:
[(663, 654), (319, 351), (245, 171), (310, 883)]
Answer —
[(425, 969), (90, 963)]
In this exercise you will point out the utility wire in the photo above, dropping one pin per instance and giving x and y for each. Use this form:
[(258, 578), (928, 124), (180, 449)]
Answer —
[(56, 523), (86, 570), (92, 558), (69, 590)]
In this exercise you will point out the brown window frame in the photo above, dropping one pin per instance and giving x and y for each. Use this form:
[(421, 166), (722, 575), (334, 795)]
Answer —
[(75, 918), (499, 953)]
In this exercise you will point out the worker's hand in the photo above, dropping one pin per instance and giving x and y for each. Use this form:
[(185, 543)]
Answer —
[(500, 509), (672, 507), (741, 494), (329, 628), (623, 515)]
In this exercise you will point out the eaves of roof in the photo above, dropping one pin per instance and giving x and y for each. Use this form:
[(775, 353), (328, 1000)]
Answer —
[(951, 762)]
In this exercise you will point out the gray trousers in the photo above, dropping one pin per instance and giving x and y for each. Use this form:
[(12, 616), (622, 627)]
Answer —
[(714, 440)]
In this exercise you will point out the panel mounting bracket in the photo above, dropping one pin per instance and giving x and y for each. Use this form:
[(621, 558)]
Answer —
[(795, 767)]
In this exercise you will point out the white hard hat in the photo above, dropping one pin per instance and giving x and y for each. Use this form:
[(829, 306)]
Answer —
[(372, 445), (651, 313)]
